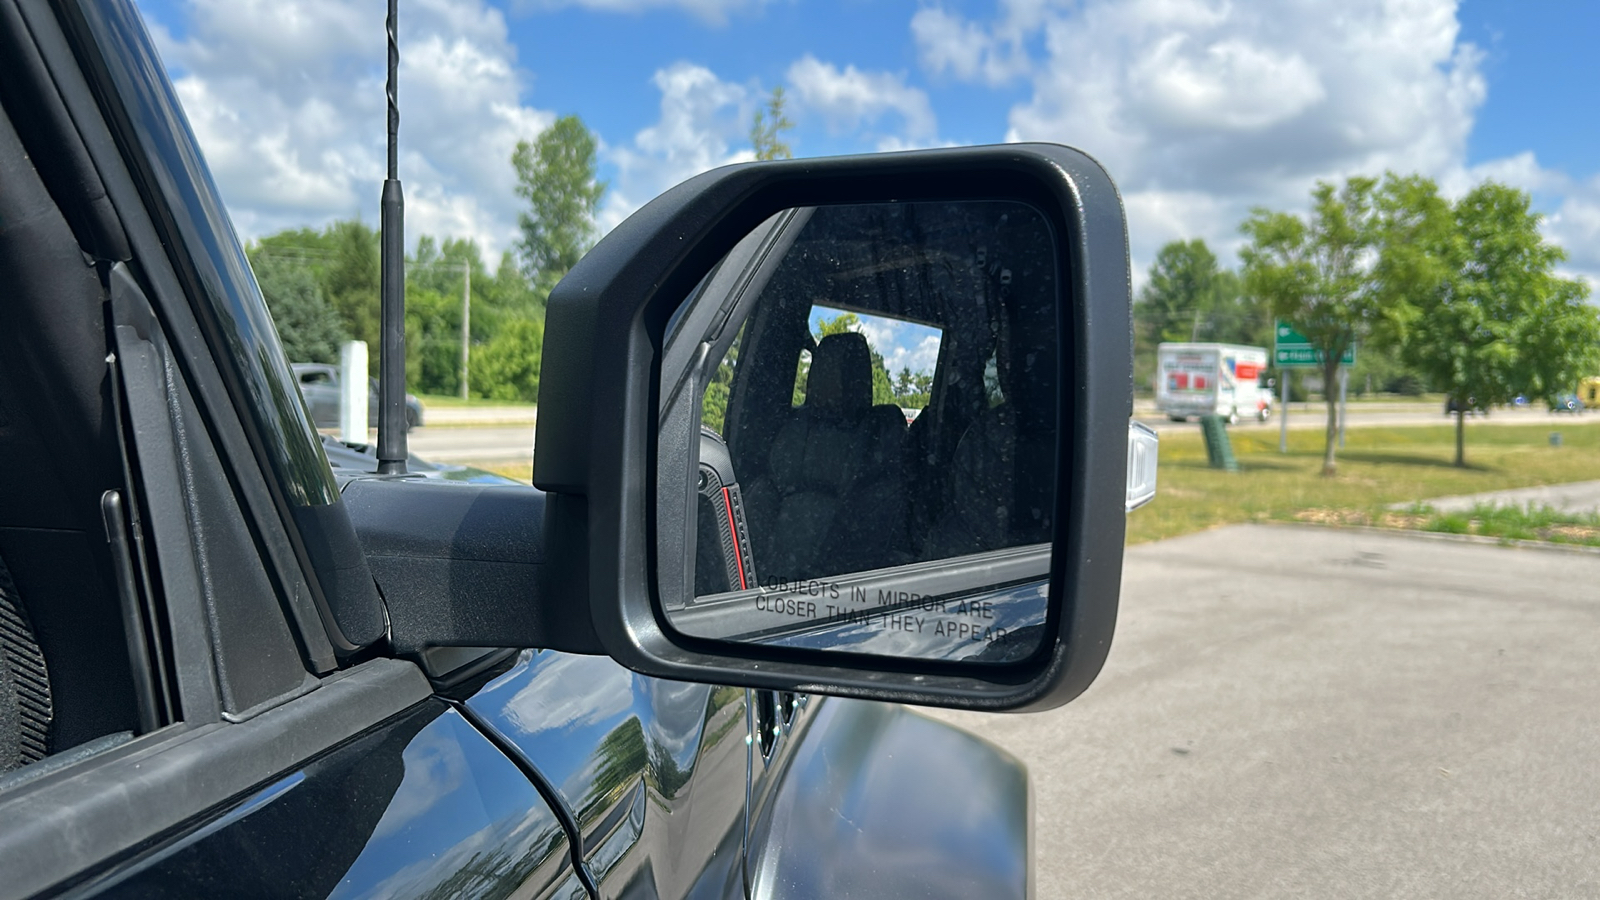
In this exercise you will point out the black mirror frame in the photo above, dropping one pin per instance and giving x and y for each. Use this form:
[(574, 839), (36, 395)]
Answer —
[(596, 435)]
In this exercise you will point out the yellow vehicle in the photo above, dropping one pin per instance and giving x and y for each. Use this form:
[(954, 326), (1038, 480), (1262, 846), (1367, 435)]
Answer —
[(1589, 392)]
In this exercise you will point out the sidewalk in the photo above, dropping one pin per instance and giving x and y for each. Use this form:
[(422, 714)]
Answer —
[(1576, 497)]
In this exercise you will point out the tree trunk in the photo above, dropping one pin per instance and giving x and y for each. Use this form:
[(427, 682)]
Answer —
[(1330, 374), (1461, 433)]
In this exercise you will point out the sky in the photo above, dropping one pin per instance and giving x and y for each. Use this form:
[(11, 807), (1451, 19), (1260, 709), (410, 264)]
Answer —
[(1199, 109)]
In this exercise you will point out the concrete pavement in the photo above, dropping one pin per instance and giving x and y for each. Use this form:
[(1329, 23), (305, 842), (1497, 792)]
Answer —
[(475, 434), (468, 445), (466, 416), (1294, 711), (1576, 497)]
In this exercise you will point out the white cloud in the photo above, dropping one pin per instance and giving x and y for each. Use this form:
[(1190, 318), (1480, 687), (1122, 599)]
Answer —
[(714, 12), (287, 101), (992, 54), (850, 99), (569, 692), (1201, 109), (703, 124), (1576, 226)]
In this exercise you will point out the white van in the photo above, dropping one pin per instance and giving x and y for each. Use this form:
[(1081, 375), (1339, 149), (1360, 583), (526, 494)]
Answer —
[(1225, 379)]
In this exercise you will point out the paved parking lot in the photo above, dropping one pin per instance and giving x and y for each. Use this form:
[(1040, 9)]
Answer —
[(1293, 711)]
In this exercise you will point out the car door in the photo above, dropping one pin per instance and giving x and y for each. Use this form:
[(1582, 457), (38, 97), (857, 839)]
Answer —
[(189, 701), (654, 771)]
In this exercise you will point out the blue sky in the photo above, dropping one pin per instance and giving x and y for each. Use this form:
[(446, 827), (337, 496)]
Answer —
[(1200, 109)]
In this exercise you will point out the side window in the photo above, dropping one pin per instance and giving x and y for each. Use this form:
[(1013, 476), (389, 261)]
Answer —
[(317, 377), (714, 403)]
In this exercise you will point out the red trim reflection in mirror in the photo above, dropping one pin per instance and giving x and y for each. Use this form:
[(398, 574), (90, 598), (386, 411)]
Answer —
[(733, 529)]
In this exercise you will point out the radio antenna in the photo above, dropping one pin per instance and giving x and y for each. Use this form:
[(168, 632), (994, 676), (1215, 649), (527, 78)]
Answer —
[(392, 346)]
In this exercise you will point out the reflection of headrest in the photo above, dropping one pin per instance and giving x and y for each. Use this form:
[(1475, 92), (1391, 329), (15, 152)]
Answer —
[(841, 374)]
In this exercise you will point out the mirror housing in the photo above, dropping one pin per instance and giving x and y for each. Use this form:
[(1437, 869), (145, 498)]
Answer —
[(596, 445)]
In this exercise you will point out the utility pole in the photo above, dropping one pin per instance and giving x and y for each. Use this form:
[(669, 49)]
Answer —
[(466, 323)]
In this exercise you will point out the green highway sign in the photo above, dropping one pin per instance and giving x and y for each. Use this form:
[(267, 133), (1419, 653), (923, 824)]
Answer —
[(1292, 350)]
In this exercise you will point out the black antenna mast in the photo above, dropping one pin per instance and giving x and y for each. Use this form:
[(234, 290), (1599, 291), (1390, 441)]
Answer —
[(392, 349)]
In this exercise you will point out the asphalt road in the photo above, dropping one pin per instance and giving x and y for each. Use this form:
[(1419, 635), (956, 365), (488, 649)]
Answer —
[(469, 444), (1315, 416), (1292, 711)]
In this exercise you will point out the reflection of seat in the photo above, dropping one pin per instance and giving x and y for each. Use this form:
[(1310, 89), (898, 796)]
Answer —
[(998, 488), (831, 500)]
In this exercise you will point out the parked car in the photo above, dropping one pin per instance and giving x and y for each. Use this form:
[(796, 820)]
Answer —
[(319, 384), (1567, 403), (230, 668), (1472, 407)]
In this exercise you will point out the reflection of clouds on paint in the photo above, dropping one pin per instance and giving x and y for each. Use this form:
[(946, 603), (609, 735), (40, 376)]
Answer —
[(902, 344), (570, 691), (678, 709), (435, 767)]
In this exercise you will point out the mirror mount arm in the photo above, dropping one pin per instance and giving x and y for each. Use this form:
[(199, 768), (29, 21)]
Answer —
[(469, 565)]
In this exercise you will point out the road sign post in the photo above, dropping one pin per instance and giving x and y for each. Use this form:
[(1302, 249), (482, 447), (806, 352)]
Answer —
[(1283, 411), (1293, 350)]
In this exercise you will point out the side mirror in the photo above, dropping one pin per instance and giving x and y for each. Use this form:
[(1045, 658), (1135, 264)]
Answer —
[(857, 426)]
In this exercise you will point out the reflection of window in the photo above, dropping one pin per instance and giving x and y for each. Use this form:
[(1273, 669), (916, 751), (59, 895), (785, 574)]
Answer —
[(316, 378), (904, 355), (714, 403)]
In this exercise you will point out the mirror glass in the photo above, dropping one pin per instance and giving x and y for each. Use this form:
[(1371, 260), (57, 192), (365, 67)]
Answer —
[(858, 438)]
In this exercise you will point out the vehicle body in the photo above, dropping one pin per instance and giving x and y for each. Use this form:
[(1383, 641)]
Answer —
[(1212, 379), (1567, 403), (228, 705), (1589, 392), (1471, 408), (319, 384)]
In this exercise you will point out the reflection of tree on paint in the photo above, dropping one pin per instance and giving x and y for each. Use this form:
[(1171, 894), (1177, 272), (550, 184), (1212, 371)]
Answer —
[(669, 777), (621, 758)]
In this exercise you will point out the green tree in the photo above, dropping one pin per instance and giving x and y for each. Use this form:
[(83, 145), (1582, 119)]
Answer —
[(1320, 274), (1483, 314), (1189, 297), (1185, 290), (556, 175), (507, 367), (912, 390), (342, 260), (310, 329), (766, 132), (714, 403)]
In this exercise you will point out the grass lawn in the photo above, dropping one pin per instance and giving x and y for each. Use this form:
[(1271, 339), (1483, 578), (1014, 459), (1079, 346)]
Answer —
[(1378, 467)]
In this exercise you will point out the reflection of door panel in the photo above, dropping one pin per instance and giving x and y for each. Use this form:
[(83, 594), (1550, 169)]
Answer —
[(423, 806), (653, 770)]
